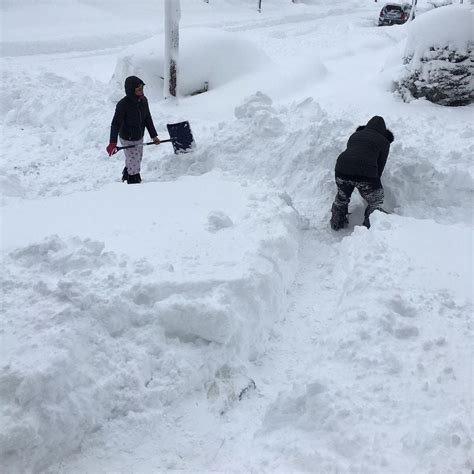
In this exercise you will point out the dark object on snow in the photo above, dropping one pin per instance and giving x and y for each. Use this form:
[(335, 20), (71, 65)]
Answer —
[(134, 178), (250, 386), (394, 14), (203, 89), (360, 167), (338, 217), (124, 174), (181, 138)]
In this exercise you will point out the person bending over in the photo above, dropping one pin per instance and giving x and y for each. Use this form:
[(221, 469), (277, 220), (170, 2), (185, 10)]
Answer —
[(361, 166)]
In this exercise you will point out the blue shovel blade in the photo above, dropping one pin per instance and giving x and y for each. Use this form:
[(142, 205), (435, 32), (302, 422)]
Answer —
[(181, 137)]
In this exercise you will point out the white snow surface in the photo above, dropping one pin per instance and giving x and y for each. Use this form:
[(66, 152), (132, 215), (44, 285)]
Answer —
[(450, 26), (208, 320)]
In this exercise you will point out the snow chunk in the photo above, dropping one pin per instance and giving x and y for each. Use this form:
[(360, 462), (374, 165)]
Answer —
[(253, 105), (218, 220)]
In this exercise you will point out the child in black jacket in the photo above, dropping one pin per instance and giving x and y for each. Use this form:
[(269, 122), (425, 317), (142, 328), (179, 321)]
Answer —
[(132, 116)]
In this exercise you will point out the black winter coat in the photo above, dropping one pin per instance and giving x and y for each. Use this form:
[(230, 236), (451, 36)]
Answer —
[(132, 115), (367, 151)]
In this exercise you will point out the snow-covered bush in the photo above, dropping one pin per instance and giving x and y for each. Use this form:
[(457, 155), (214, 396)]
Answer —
[(439, 57)]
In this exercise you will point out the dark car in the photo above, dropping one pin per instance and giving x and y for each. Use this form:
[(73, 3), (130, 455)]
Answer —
[(394, 14)]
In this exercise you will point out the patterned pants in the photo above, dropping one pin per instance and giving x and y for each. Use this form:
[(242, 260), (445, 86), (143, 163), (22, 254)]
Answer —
[(370, 190), (133, 156)]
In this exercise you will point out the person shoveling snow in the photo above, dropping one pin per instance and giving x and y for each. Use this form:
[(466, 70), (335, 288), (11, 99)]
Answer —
[(361, 166), (132, 116)]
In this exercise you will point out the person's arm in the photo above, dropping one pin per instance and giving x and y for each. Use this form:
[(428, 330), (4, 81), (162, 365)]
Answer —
[(150, 126), (382, 159), (117, 121)]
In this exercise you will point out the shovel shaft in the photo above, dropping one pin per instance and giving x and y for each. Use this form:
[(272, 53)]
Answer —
[(180, 137), (142, 144)]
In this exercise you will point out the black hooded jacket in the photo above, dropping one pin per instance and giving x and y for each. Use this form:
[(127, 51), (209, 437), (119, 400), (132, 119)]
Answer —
[(132, 114), (367, 151)]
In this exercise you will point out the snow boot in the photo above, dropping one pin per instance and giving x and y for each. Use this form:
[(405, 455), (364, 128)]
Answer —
[(134, 178), (124, 174), (338, 218), (366, 222)]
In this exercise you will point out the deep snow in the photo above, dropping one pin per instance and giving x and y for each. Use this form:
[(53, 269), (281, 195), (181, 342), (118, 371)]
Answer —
[(208, 320)]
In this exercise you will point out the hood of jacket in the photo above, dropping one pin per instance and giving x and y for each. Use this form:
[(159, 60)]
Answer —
[(131, 83), (377, 124)]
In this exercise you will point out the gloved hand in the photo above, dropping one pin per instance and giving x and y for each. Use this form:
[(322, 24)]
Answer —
[(156, 140), (111, 148)]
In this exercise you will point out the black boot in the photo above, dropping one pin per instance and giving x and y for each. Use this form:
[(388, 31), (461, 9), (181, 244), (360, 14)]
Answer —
[(134, 178), (125, 174), (338, 218)]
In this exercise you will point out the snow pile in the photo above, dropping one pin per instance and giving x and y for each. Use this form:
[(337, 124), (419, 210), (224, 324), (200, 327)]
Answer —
[(294, 146), (291, 146), (223, 63), (440, 57), (48, 137), (206, 56), (107, 335)]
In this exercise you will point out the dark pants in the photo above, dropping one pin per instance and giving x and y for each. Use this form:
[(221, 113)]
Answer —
[(369, 188)]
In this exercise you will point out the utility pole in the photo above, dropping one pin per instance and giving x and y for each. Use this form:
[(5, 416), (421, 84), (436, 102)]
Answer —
[(172, 17), (413, 8)]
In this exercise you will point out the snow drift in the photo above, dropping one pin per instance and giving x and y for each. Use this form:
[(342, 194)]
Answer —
[(114, 329), (206, 56)]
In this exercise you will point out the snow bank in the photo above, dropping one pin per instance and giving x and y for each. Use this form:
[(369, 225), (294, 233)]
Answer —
[(206, 56), (291, 146), (108, 335), (295, 146), (227, 64), (49, 138)]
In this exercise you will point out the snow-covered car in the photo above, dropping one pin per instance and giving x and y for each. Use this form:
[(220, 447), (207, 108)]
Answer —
[(394, 14)]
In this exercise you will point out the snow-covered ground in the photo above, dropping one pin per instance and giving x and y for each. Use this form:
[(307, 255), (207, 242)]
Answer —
[(209, 320)]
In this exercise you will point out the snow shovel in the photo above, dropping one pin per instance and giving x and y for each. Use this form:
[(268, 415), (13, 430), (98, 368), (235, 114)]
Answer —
[(181, 138)]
